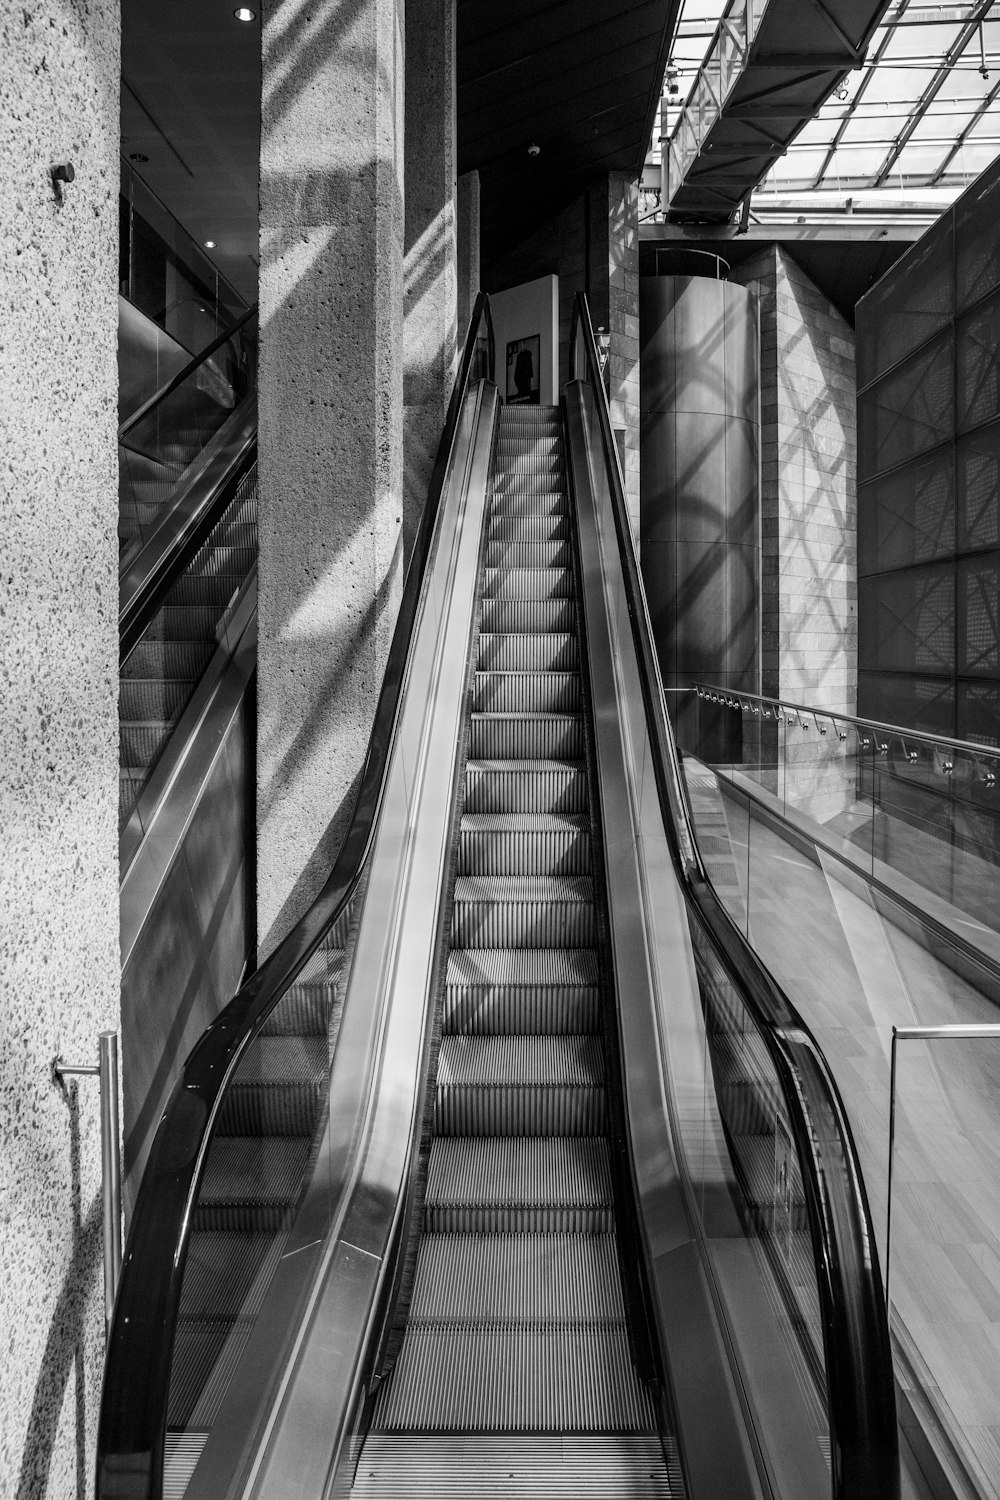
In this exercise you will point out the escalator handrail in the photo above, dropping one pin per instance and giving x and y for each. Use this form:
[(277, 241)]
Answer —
[(133, 1416), (185, 373), (863, 1431)]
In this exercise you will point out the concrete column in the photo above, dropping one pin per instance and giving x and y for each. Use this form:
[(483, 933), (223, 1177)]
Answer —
[(613, 294), (331, 397), (429, 270), (808, 487), (469, 260), (59, 970)]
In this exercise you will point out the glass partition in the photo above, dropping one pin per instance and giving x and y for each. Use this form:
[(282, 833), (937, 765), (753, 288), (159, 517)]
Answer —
[(160, 444), (862, 961), (918, 811)]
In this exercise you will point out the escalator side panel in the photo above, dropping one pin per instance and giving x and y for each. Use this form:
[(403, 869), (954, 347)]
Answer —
[(659, 996)]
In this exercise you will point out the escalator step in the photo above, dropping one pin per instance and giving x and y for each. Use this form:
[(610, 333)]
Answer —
[(518, 1184), (183, 622), (307, 1006), (272, 1107), (204, 589), (541, 651), (527, 991), (250, 1181), (206, 1354), (528, 583), (168, 659), (131, 780), (527, 786), (153, 698), (527, 616), (226, 1274), (537, 912), (526, 737), (141, 741), (528, 554), (181, 1453), (501, 1379), (524, 844), (522, 529), (573, 1466), (222, 557), (517, 1278), (520, 1085), (524, 497), (526, 692)]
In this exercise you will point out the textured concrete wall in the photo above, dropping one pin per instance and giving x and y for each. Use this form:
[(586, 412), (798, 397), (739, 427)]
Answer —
[(467, 236), (808, 487), (430, 271), (331, 399), (623, 326), (59, 76)]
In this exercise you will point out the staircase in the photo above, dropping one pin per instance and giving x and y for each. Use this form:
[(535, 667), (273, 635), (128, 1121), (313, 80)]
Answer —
[(514, 1374), (160, 675)]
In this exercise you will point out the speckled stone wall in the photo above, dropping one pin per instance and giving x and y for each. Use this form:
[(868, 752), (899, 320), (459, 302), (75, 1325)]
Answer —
[(430, 281), (809, 619), (59, 78), (331, 401)]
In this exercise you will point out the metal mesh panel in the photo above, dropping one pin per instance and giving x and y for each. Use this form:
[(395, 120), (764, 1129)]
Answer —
[(907, 517), (977, 244), (910, 411), (906, 309), (978, 464), (921, 703), (977, 338), (907, 621), (979, 616), (979, 712)]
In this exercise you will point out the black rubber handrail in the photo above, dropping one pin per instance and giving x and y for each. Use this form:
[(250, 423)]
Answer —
[(184, 374), (863, 1431), (133, 1416)]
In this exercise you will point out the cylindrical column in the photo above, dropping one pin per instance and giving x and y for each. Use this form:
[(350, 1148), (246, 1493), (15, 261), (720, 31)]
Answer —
[(699, 527)]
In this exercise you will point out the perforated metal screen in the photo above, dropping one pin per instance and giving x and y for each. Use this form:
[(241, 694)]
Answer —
[(929, 479)]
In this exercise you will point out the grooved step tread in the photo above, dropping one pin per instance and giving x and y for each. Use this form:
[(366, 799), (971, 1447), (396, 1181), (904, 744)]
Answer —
[(528, 583), (524, 844), (527, 616), (613, 1466), (515, 1379), (531, 692), (530, 1061), (571, 1172), (530, 786), (265, 1169), (523, 651), (531, 736), (517, 1278)]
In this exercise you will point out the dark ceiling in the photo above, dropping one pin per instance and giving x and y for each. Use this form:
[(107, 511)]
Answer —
[(579, 79)]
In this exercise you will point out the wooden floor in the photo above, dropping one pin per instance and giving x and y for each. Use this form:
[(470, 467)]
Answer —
[(853, 976)]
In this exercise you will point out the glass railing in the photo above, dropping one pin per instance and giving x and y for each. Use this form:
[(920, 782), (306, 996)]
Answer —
[(223, 1199), (871, 950), (161, 443), (166, 274), (918, 811), (722, 66), (773, 1170)]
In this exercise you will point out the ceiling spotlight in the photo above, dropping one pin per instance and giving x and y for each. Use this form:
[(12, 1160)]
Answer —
[(534, 150), (138, 156), (209, 244), (244, 13)]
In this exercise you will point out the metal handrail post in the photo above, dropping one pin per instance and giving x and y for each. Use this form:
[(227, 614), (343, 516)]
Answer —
[(106, 1070)]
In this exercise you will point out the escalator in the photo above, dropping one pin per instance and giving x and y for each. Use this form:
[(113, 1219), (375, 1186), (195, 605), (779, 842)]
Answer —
[(187, 627), (516, 1330), (511, 1171)]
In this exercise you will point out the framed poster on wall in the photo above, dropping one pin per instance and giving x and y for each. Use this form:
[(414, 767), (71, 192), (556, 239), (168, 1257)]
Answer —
[(524, 371)]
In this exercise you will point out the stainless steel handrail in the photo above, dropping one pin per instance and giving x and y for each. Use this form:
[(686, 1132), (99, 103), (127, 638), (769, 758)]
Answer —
[(105, 1069), (877, 726)]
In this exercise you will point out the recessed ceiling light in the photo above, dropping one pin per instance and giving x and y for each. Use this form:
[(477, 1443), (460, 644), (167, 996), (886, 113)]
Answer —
[(209, 244), (244, 13), (138, 156)]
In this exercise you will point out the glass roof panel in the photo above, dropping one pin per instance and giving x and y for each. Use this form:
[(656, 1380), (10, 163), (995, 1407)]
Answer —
[(917, 122)]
